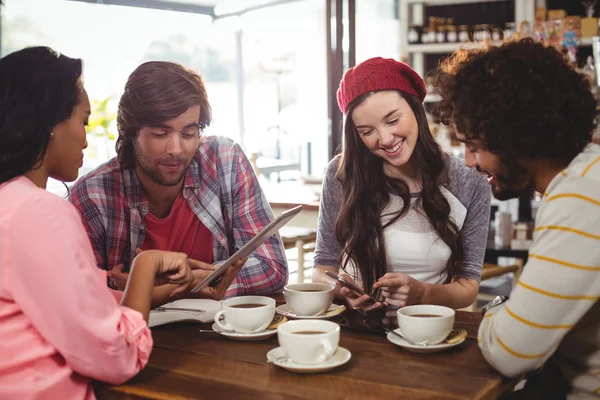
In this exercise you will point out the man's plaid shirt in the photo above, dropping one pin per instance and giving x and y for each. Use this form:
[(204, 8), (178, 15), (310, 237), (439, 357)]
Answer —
[(222, 191)]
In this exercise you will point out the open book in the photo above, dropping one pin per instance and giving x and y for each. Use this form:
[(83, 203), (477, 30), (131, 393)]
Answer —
[(201, 310)]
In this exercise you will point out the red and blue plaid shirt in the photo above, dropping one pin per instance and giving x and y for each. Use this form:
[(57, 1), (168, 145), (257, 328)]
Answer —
[(222, 191)]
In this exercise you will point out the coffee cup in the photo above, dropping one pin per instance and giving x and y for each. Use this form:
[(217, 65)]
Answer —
[(425, 324), (246, 314), (309, 299), (309, 341)]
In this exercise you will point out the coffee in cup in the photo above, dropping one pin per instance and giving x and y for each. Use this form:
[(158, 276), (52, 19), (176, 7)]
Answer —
[(309, 341), (425, 324), (309, 299), (246, 314)]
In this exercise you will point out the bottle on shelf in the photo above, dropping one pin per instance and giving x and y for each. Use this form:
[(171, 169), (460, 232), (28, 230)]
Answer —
[(497, 34), (463, 33), (440, 35), (451, 34), (509, 30), (425, 35), (414, 34)]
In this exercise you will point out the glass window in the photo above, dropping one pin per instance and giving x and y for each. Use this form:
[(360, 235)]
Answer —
[(284, 68), (377, 29)]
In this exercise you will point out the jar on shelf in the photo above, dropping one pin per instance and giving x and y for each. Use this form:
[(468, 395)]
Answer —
[(486, 32), (482, 33), (433, 24), (463, 33), (440, 35), (509, 30), (425, 35), (497, 34), (449, 21), (431, 37), (477, 33), (451, 34), (414, 34)]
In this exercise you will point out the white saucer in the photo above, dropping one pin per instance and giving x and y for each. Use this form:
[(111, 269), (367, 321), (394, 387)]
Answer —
[(247, 337), (340, 357), (333, 311), (434, 348)]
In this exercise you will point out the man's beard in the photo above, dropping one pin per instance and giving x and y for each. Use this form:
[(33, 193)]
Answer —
[(512, 180), (154, 173)]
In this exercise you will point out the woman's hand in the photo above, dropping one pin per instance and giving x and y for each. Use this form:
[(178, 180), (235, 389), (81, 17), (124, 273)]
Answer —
[(174, 268), (356, 301), (401, 290)]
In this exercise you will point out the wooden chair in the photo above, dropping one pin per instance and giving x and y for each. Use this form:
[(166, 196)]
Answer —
[(492, 271), (303, 239)]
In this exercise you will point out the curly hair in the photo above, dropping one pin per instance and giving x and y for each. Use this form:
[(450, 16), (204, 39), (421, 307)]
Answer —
[(157, 91), (521, 98)]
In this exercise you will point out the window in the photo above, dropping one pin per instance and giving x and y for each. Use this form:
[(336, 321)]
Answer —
[(283, 59)]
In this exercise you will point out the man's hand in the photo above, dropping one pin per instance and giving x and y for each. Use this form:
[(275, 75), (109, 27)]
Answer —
[(118, 278), (216, 292)]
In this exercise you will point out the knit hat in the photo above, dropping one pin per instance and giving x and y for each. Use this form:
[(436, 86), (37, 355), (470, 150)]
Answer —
[(378, 74)]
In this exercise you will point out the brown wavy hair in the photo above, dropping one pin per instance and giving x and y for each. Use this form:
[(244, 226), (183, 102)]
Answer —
[(521, 99), (366, 191), (157, 91)]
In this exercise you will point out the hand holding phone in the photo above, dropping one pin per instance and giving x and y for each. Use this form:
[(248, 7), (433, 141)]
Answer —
[(365, 304)]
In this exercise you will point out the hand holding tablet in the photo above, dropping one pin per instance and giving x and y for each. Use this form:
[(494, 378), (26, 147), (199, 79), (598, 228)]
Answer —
[(249, 247)]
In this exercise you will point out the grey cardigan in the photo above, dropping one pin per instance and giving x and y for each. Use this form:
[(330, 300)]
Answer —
[(466, 184)]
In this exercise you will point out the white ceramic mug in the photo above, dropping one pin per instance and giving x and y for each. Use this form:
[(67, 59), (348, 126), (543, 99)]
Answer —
[(309, 341), (309, 299), (246, 320), (425, 324)]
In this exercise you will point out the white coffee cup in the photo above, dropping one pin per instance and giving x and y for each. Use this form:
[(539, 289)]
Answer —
[(425, 324), (309, 347), (309, 299), (246, 319)]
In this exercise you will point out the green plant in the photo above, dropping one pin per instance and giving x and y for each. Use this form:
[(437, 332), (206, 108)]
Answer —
[(102, 122)]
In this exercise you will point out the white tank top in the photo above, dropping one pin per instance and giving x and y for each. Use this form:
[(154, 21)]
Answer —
[(412, 245)]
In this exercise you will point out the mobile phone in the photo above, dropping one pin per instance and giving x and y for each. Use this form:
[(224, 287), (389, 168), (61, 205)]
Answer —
[(358, 291)]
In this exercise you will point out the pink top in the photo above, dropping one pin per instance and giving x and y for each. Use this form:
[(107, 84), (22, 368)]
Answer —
[(60, 326)]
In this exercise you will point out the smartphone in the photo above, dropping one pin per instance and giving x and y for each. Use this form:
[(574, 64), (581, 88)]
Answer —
[(358, 291)]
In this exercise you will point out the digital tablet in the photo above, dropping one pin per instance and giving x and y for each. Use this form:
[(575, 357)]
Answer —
[(249, 247)]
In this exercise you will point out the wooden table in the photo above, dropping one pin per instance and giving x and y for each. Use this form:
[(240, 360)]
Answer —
[(187, 364)]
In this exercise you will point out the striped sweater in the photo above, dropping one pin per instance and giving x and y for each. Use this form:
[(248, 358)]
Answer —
[(552, 319)]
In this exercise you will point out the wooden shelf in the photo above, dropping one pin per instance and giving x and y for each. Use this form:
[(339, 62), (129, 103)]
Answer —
[(441, 48)]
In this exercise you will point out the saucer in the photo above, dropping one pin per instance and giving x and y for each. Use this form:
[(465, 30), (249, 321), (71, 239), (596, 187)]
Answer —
[(252, 337), (340, 357), (247, 337), (434, 348), (333, 311)]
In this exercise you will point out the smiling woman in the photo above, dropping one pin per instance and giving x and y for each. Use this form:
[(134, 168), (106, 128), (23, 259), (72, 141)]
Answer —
[(397, 214)]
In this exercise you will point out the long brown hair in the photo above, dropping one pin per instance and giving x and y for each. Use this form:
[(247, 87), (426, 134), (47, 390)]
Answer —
[(366, 191), (157, 91)]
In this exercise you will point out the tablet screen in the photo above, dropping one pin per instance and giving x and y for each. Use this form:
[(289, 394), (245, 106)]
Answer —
[(249, 247)]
